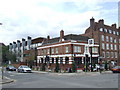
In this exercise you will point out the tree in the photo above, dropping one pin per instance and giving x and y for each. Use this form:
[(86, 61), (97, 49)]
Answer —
[(7, 55), (57, 67), (74, 68)]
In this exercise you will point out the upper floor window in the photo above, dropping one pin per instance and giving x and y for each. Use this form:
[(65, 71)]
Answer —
[(56, 50), (111, 45), (101, 29), (111, 39), (52, 50), (119, 40), (107, 46), (110, 31), (105, 30), (116, 54), (103, 54), (115, 47), (66, 49), (48, 51), (103, 46), (107, 38), (114, 32), (115, 40), (77, 49), (102, 37), (95, 50), (107, 54), (112, 54), (117, 33)]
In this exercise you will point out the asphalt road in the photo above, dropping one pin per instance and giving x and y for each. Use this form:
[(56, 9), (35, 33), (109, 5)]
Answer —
[(46, 80)]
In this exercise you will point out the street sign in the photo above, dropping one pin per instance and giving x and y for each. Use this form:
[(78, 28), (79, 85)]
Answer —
[(90, 42)]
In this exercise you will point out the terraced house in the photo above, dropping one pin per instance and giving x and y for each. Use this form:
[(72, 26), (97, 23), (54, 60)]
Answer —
[(65, 50)]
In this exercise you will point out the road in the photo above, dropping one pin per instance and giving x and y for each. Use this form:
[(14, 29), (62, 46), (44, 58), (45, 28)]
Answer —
[(46, 80)]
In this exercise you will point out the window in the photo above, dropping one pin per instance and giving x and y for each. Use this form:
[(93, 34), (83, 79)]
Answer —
[(101, 29), (52, 60), (114, 32), (111, 46), (115, 40), (103, 54), (111, 39), (119, 47), (56, 50), (86, 49), (57, 60), (67, 49), (110, 31), (107, 54), (48, 51), (102, 37), (115, 54), (107, 38), (105, 30), (107, 46), (77, 49), (66, 60), (61, 60), (112, 54), (119, 40), (117, 33), (103, 46), (95, 50), (52, 50), (115, 47)]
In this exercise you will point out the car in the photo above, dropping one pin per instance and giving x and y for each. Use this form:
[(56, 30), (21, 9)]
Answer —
[(10, 68), (116, 69), (24, 68)]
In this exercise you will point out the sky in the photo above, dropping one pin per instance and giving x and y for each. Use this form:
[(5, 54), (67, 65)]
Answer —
[(40, 18)]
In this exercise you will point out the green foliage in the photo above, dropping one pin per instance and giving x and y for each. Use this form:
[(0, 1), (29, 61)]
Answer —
[(74, 68), (43, 67), (106, 65), (57, 67), (6, 55)]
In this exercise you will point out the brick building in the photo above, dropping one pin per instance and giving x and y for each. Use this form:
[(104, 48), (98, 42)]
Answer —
[(65, 50), (108, 38)]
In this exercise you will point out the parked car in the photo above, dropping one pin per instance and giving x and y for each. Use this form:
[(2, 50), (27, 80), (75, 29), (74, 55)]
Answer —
[(24, 68), (10, 68), (116, 69)]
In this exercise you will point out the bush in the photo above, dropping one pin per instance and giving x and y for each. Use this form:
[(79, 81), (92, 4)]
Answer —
[(43, 67), (57, 67), (74, 68)]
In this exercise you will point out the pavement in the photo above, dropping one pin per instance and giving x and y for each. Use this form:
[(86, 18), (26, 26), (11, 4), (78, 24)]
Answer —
[(6, 80)]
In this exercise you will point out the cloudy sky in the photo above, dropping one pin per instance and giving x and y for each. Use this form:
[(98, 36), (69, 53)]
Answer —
[(39, 18)]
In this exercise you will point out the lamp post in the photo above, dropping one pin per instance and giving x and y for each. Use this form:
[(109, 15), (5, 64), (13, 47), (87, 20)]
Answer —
[(91, 44)]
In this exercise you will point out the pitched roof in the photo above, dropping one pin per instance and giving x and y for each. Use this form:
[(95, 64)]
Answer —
[(66, 38)]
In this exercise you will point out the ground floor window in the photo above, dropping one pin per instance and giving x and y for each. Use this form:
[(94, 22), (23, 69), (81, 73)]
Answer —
[(61, 60), (52, 60), (66, 60), (78, 60), (41, 60), (57, 60)]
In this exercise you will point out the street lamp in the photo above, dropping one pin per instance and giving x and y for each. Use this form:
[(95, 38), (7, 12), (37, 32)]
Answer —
[(91, 44)]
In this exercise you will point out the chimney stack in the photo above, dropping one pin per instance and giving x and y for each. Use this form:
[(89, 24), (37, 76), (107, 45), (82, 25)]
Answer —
[(92, 21), (61, 34), (114, 25), (101, 21)]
